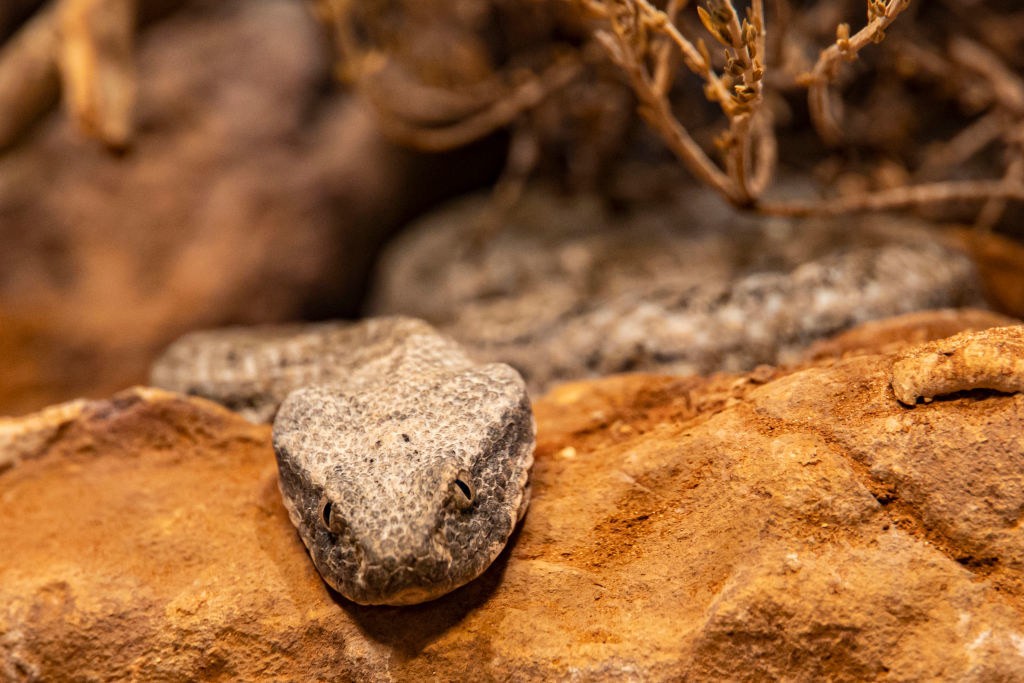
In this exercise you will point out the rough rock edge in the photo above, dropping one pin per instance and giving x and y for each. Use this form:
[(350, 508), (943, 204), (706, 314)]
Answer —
[(28, 436), (989, 359), (889, 335), (746, 631)]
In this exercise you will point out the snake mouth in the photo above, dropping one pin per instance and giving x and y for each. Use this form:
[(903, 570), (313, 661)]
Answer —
[(410, 595), (385, 571), (392, 583)]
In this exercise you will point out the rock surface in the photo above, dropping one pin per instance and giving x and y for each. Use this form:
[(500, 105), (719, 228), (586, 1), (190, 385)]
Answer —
[(889, 335), (565, 291), (1000, 262), (786, 524), (989, 359)]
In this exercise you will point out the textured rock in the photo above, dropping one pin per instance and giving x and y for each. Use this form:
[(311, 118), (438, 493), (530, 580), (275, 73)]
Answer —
[(566, 290), (185, 229), (889, 335), (799, 525), (990, 359), (1000, 263)]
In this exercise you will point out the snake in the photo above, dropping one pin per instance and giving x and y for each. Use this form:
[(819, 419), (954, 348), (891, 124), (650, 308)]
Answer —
[(403, 464)]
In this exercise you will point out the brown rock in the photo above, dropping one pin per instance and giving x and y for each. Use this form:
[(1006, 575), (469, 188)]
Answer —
[(186, 228), (799, 525), (1000, 263), (13, 12), (989, 359), (253, 192), (891, 334)]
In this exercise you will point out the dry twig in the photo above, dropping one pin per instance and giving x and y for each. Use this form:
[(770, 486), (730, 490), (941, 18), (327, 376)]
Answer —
[(899, 198), (84, 46), (497, 114), (28, 76), (738, 91), (749, 140), (97, 67), (881, 14), (651, 40)]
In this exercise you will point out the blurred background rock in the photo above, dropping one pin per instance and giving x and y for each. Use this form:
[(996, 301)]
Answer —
[(253, 190), (175, 164)]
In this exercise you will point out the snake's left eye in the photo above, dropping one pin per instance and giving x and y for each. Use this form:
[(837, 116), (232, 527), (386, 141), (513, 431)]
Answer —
[(462, 490)]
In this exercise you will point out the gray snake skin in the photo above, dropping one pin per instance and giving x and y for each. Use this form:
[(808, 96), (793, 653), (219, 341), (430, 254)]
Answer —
[(403, 464)]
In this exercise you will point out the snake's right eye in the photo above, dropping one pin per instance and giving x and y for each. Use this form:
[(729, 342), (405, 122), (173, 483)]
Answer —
[(330, 519), (462, 490)]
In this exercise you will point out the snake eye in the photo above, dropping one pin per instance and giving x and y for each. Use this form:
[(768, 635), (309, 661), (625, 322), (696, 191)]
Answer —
[(332, 521), (463, 491)]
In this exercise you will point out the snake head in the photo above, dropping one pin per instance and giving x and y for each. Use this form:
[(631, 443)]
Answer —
[(407, 489)]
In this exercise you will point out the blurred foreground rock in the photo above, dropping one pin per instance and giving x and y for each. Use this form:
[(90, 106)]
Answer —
[(255, 191), (565, 290), (786, 524)]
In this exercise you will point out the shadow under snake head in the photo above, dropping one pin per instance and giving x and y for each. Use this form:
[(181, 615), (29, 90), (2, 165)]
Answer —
[(409, 488)]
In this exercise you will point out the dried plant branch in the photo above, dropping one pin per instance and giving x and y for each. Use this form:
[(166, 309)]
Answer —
[(391, 89), (434, 118), (84, 46), (652, 40), (29, 83), (749, 137), (498, 114), (739, 91), (994, 208), (523, 155), (1007, 87), (823, 112), (743, 45), (663, 51), (655, 109), (961, 147), (899, 197), (97, 67)]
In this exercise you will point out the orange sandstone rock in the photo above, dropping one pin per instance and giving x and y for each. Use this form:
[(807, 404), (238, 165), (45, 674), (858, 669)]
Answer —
[(889, 335), (787, 524), (990, 359)]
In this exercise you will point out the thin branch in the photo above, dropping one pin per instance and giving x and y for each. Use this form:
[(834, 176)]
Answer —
[(819, 100), (391, 88), (1007, 87), (898, 198), (964, 145), (499, 114), (994, 208), (738, 92), (97, 67), (29, 84), (664, 53), (656, 110)]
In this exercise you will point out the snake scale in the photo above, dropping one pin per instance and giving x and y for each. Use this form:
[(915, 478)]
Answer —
[(403, 464)]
